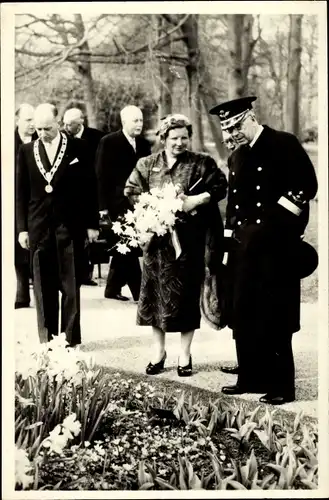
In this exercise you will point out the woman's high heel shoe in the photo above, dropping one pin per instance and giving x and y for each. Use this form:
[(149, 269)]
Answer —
[(185, 371), (154, 369)]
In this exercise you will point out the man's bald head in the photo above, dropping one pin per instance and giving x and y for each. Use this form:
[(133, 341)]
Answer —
[(25, 120), (132, 120), (46, 122), (46, 110), (24, 109), (73, 120)]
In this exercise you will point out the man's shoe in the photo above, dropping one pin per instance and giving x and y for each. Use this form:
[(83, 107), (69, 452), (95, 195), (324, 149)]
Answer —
[(21, 305), (238, 389), (118, 296), (277, 400), (233, 389), (232, 370), (90, 283)]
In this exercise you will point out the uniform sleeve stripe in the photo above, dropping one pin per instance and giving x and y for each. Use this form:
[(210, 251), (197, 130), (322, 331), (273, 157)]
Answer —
[(284, 202)]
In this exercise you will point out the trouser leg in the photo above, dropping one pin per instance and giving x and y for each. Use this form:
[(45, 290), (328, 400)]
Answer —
[(124, 269), (22, 284), (281, 366), (69, 286), (115, 277), (251, 356), (90, 271), (45, 286), (134, 275)]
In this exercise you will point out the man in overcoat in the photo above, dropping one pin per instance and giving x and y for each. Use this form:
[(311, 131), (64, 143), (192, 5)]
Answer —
[(116, 158), (271, 181), (24, 133), (56, 209), (73, 122)]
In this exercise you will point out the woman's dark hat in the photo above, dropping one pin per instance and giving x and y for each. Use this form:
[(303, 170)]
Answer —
[(231, 112), (307, 260)]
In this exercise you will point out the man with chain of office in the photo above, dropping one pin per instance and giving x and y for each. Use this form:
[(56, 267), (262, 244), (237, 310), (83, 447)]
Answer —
[(56, 210)]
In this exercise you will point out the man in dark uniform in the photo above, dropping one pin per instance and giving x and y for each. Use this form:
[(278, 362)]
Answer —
[(56, 209), (24, 133), (116, 157), (271, 181), (73, 122)]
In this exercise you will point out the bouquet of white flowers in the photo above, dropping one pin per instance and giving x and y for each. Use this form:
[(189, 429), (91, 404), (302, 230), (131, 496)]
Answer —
[(154, 213)]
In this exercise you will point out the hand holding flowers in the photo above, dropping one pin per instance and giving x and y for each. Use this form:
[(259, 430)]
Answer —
[(154, 213)]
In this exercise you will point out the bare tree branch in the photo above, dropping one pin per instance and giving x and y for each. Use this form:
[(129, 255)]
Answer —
[(32, 53), (163, 37)]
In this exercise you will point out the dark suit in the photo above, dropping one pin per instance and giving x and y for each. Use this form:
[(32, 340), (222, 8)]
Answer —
[(115, 160), (262, 301), (22, 265), (56, 224), (91, 138)]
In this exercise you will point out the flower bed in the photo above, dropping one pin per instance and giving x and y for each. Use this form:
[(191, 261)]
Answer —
[(80, 428)]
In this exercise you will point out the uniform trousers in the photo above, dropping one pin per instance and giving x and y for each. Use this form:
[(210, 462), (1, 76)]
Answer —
[(124, 270), (55, 270), (266, 362)]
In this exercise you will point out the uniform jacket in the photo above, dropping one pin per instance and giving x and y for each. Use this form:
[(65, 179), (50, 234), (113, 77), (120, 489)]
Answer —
[(73, 201), (21, 255), (264, 285), (115, 160)]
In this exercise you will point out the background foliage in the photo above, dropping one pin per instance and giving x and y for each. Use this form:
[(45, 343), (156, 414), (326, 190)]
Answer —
[(163, 63)]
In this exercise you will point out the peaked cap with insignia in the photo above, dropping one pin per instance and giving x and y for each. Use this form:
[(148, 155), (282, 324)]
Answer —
[(231, 112)]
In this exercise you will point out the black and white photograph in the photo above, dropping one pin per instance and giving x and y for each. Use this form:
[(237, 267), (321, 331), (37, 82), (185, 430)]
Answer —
[(164, 249)]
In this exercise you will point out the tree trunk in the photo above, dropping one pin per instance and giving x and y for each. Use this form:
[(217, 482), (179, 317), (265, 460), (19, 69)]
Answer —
[(89, 96), (166, 76), (166, 90), (190, 31), (294, 67), (200, 90), (84, 70), (240, 46), (312, 74), (216, 131), (210, 99)]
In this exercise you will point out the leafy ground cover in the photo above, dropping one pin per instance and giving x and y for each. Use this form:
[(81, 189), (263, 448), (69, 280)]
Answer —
[(79, 427)]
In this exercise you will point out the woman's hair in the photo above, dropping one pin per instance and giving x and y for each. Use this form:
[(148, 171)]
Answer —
[(170, 122)]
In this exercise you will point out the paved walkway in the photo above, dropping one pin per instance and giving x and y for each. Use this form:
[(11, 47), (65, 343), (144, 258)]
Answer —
[(110, 333)]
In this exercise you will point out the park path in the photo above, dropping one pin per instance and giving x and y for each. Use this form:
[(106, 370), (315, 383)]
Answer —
[(109, 332)]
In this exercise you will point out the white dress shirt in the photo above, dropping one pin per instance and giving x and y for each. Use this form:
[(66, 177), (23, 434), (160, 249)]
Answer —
[(51, 148), (131, 140), (258, 132)]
